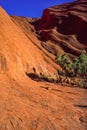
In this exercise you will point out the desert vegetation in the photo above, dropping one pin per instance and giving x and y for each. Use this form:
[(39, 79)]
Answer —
[(73, 73), (76, 68)]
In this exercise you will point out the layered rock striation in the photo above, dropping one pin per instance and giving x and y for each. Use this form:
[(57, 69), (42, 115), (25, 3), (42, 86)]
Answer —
[(65, 25)]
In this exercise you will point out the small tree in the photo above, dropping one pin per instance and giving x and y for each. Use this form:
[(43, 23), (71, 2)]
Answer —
[(76, 68), (80, 64), (83, 62), (64, 62)]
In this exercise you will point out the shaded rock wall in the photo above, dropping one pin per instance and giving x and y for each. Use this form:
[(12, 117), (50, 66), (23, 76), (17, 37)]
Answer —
[(69, 20)]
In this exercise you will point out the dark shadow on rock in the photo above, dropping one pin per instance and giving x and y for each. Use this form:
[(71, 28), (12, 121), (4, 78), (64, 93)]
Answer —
[(74, 25), (33, 76), (81, 106), (36, 77), (83, 119)]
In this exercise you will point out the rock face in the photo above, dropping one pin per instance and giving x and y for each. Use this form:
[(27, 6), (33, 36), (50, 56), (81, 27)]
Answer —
[(26, 104), (67, 24)]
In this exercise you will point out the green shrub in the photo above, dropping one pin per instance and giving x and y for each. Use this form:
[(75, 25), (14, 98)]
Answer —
[(75, 68)]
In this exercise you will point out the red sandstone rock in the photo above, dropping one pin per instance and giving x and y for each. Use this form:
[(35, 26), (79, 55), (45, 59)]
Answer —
[(26, 104), (68, 25)]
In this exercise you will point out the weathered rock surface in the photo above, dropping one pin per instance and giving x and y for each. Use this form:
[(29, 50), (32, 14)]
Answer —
[(66, 26), (26, 104)]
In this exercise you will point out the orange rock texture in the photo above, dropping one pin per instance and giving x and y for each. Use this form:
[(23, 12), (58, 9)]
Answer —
[(29, 46)]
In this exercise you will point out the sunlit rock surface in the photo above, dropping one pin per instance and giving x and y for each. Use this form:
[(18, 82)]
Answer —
[(29, 46)]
